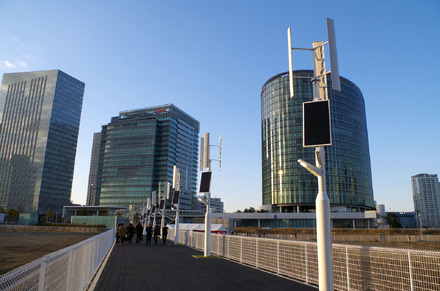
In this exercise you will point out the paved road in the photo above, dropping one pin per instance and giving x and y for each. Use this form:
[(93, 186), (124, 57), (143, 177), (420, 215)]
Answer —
[(174, 267)]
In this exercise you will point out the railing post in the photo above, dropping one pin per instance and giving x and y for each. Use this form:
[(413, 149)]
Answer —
[(306, 262), (229, 242), (69, 269), (256, 252), (223, 245), (89, 261), (411, 280), (347, 262), (278, 256), (42, 277), (83, 270), (241, 250)]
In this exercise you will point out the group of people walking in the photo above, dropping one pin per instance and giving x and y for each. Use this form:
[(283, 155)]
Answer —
[(127, 233)]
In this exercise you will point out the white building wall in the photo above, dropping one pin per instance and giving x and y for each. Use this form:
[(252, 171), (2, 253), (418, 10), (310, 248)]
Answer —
[(426, 197)]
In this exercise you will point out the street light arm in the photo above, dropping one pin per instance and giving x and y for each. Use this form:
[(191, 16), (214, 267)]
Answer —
[(318, 172)]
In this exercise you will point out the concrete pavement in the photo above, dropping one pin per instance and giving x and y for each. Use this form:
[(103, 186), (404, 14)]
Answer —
[(176, 267)]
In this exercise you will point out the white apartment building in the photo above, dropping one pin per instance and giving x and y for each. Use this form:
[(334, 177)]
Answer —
[(426, 196)]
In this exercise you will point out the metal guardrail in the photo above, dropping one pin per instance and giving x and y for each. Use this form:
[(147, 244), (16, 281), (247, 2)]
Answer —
[(341, 238), (354, 267), (71, 268)]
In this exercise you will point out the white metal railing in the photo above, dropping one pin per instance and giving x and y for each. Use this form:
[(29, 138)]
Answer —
[(351, 237), (71, 268), (354, 267)]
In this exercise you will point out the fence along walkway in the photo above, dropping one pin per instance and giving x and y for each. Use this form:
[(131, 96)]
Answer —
[(71, 268), (354, 267), (338, 238)]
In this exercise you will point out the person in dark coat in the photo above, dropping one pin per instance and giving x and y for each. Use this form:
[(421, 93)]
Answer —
[(139, 230), (156, 233), (117, 233), (149, 230), (164, 233), (122, 231), (130, 232)]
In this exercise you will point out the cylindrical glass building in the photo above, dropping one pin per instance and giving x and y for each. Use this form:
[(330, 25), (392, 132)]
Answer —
[(287, 186)]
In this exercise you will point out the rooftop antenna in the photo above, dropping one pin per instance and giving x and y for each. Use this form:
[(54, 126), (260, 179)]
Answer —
[(317, 133)]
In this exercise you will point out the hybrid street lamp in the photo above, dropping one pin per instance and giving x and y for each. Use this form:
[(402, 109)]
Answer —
[(317, 134), (175, 202), (205, 183), (166, 196)]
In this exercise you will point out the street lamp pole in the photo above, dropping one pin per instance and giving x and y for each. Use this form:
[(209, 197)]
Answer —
[(323, 138), (205, 163)]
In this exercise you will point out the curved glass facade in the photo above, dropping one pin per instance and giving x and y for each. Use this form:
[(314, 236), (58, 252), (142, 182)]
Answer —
[(348, 172)]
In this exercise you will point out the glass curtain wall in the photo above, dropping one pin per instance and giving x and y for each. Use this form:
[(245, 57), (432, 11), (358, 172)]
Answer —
[(286, 185), (40, 114), (139, 149)]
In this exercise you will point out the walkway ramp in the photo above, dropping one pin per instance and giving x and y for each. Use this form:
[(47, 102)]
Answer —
[(176, 267)]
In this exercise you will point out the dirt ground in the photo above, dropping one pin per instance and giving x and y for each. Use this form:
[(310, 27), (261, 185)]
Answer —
[(17, 249)]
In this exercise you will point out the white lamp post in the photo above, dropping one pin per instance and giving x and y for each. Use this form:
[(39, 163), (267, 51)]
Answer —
[(320, 93)]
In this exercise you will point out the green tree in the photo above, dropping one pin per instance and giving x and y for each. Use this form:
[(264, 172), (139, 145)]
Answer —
[(393, 221), (49, 215), (250, 210), (12, 215), (2, 209), (42, 219)]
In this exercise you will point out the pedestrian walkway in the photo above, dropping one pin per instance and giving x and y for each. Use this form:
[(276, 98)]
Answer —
[(176, 267)]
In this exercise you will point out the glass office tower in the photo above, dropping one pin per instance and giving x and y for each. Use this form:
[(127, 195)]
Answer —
[(39, 114), (139, 149), (287, 186), (94, 162)]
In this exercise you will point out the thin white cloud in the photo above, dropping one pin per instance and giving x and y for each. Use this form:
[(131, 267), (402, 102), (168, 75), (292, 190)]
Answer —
[(7, 64), (27, 56), (23, 64)]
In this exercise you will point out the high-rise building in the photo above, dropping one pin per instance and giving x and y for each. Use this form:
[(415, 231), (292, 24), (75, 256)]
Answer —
[(426, 196), (138, 151), (287, 186), (93, 173), (217, 205), (39, 114)]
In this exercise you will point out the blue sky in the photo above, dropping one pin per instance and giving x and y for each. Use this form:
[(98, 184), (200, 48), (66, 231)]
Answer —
[(211, 58)]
